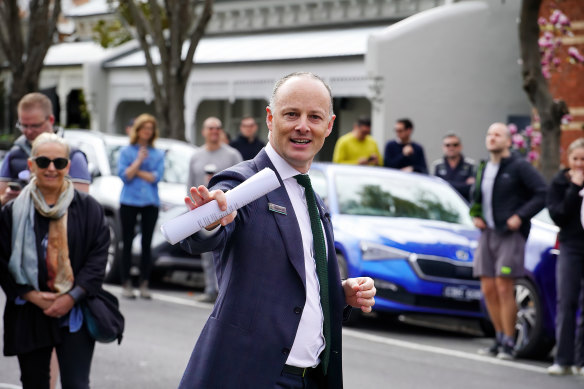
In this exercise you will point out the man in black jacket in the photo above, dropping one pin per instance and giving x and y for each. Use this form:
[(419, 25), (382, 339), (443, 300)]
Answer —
[(247, 142), (508, 192)]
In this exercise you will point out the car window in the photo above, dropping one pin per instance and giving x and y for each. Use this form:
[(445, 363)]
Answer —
[(399, 196), (318, 180), (113, 156), (176, 163)]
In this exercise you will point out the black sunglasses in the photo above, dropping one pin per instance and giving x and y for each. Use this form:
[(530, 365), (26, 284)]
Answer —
[(44, 162)]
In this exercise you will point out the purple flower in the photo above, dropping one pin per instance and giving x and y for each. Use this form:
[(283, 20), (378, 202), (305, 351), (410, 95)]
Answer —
[(563, 20), (532, 156), (512, 128), (536, 139), (557, 62), (575, 53), (518, 141), (555, 16), (546, 73), (543, 42), (542, 21), (566, 119), (528, 130)]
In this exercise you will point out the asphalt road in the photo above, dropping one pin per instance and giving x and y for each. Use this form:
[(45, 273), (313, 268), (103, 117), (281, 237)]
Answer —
[(378, 353)]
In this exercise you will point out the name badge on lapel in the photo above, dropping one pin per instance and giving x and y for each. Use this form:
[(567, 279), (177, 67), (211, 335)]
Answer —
[(277, 208)]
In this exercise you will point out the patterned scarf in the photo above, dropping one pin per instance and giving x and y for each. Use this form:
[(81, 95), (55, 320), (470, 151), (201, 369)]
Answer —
[(23, 265)]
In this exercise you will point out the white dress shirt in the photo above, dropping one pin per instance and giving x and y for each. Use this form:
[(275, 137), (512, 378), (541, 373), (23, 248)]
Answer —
[(309, 341)]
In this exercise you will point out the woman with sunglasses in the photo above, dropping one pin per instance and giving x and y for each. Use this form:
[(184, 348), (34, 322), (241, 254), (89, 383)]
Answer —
[(140, 166), (53, 252)]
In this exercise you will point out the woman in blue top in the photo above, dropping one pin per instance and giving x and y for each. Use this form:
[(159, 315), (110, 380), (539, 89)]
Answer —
[(140, 166)]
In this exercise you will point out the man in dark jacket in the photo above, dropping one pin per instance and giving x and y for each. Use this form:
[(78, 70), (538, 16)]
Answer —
[(403, 153), (277, 319), (247, 142), (453, 167), (508, 192)]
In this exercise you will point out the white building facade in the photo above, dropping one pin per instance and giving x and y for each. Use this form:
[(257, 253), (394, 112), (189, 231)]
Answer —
[(448, 65)]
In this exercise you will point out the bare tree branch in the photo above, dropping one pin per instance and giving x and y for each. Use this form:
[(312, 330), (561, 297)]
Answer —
[(176, 28), (156, 28), (197, 34), (142, 36), (169, 29), (10, 23), (41, 35)]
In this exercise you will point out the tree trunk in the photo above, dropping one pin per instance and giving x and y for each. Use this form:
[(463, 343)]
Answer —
[(176, 110), (26, 56), (20, 87), (536, 87), (169, 77)]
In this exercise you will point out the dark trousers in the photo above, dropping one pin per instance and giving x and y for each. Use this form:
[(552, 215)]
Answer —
[(148, 217), (569, 279), (74, 355), (313, 380)]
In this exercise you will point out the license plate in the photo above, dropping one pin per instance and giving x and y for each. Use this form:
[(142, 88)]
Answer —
[(462, 293)]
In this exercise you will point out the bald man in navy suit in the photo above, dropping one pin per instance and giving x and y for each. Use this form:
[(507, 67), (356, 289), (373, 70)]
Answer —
[(269, 326)]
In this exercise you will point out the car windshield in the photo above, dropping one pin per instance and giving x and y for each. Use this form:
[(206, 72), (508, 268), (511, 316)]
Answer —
[(399, 196), (176, 160)]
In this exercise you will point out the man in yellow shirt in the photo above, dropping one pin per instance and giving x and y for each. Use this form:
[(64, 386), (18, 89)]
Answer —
[(358, 147)]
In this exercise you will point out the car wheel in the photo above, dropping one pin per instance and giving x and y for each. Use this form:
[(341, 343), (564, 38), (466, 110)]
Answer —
[(531, 341), (114, 253)]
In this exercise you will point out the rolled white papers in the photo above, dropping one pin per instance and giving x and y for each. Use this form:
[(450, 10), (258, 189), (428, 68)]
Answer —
[(251, 189)]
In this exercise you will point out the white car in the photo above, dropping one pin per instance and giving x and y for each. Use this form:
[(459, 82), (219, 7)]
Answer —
[(102, 151)]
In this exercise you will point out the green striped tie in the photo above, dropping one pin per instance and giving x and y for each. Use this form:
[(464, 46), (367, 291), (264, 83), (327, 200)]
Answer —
[(321, 264)]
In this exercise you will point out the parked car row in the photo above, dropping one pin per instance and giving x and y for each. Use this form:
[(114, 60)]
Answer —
[(413, 235), (102, 151)]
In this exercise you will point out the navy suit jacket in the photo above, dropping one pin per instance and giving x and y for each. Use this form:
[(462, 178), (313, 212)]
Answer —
[(260, 269)]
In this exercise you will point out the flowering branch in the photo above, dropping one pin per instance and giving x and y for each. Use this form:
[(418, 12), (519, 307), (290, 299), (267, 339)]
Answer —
[(553, 30)]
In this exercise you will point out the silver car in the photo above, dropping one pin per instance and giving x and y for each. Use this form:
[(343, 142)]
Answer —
[(102, 151)]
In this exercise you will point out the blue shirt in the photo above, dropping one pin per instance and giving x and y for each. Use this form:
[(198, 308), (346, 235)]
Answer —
[(137, 191)]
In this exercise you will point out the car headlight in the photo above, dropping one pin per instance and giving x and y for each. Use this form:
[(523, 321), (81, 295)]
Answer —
[(374, 252)]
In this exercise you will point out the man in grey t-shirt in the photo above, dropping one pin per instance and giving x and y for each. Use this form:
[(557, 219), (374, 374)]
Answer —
[(213, 157), (508, 192)]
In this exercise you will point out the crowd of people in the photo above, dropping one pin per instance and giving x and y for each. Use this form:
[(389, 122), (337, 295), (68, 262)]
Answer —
[(55, 240), (504, 192)]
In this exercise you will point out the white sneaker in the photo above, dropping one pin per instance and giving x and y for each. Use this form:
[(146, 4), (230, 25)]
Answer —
[(556, 369), (580, 370)]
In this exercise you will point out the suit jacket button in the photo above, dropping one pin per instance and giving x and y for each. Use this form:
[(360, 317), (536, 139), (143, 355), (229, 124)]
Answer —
[(298, 310), (285, 351)]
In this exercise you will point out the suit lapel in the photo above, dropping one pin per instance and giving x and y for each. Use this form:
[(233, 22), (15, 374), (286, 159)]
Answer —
[(287, 224)]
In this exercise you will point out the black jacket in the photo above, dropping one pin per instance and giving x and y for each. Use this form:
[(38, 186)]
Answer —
[(26, 327), (564, 204), (247, 149), (456, 177), (518, 189)]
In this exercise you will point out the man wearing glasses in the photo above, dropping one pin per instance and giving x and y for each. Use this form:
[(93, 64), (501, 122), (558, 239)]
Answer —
[(35, 116), (454, 168)]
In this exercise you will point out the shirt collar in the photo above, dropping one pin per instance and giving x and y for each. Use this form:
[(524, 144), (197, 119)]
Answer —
[(284, 169)]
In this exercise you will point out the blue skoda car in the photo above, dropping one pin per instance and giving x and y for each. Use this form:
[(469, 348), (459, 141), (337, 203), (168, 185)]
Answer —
[(413, 235)]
